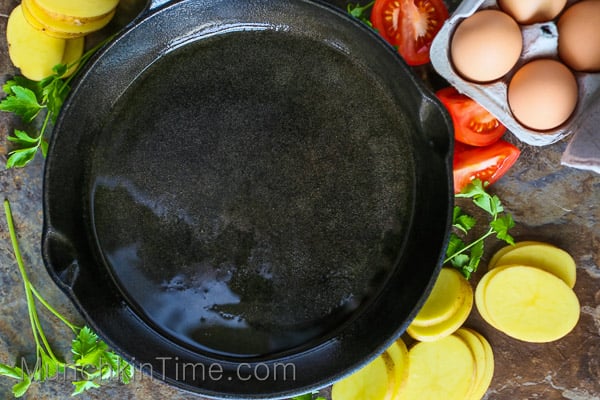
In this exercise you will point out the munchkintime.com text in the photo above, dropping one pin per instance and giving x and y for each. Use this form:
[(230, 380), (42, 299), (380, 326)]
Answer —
[(173, 368)]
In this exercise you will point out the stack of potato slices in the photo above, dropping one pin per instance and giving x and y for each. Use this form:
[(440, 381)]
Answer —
[(44, 33), (459, 366), (446, 309), (447, 362), (528, 292)]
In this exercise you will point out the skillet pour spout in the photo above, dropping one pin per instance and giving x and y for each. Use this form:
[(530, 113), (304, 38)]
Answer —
[(258, 189)]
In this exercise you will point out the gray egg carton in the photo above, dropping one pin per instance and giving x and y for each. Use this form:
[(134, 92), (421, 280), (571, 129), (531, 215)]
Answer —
[(540, 40)]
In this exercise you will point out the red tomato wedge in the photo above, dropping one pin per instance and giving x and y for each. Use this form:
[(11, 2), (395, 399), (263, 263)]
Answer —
[(473, 124), (487, 163), (410, 25)]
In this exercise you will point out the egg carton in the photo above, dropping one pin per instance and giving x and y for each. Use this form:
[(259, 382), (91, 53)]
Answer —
[(540, 40)]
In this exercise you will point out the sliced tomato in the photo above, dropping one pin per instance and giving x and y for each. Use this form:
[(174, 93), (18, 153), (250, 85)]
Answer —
[(473, 124), (487, 163), (410, 25)]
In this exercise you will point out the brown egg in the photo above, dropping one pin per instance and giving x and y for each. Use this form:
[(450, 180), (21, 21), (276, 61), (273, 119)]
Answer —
[(485, 46), (542, 94), (579, 36), (532, 11)]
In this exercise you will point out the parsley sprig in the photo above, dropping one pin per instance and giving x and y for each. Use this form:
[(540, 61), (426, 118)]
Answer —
[(92, 361), (466, 257), (30, 99), (361, 12)]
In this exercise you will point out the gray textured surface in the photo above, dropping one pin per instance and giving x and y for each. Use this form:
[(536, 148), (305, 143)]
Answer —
[(549, 202)]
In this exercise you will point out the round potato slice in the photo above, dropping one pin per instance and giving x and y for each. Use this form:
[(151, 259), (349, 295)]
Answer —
[(62, 28), (494, 260), (480, 291), (29, 49), (446, 297), (488, 375), (443, 369), (545, 256), (446, 327), (484, 362), (73, 52), (77, 10), (373, 381), (399, 356), (530, 304)]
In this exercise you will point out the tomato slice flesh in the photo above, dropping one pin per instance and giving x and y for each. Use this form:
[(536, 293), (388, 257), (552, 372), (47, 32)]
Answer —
[(409, 25), (487, 163), (473, 124)]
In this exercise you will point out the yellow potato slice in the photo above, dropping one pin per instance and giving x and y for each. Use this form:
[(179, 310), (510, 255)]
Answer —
[(545, 256), (32, 51), (490, 366), (40, 26), (530, 304), (447, 326), (399, 356), (73, 52), (77, 10), (480, 291), (443, 369), (446, 297), (62, 28), (374, 381), (494, 260), (484, 362)]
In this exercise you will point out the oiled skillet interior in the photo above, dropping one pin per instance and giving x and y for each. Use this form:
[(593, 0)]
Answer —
[(258, 199)]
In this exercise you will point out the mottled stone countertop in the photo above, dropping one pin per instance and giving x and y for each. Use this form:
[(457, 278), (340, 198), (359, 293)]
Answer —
[(549, 202)]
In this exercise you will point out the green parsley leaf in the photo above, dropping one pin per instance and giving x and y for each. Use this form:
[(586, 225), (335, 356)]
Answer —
[(455, 244), (20, 388), (54, 93), (44, 147), (82, 386), (126, 372), (474, 259), (361, 12), (60, 69), (462, 221), (48, 367), (11, 372), (21, 157), (19, 80), (22, 102), (501, 227), (87, 348), (22, 137)]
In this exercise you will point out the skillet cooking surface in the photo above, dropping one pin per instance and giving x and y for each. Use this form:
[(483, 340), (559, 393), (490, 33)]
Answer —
[(248, 184), (248, 213)]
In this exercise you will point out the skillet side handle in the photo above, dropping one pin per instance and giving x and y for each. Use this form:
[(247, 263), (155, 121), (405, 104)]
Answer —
[(60, 257), (437, 126)]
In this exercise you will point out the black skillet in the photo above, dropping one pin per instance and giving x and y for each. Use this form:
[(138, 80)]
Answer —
[(248, 198)]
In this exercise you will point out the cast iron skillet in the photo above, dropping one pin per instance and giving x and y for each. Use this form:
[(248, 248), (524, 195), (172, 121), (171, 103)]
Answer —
[(247, 199)]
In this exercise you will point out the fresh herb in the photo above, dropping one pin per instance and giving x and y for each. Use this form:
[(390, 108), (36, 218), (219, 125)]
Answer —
[(30, 99), (466, 257), (93, 362), (361, 12)]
